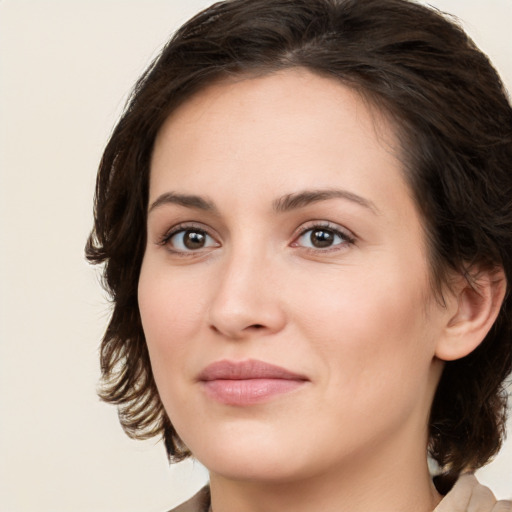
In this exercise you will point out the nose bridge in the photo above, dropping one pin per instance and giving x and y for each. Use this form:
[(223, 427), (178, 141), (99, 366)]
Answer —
[(246, 297)]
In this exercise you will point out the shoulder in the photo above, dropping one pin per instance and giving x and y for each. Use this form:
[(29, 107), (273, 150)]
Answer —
[(200, 502), (468, 494)]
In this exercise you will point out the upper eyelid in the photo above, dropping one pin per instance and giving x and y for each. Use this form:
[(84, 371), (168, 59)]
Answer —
[(299, 231), (184, 226), (307, 226)]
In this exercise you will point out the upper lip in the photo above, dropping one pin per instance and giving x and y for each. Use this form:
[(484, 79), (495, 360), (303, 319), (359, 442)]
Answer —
[(246, 370)]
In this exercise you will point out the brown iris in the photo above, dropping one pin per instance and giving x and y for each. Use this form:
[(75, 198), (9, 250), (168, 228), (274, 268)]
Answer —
[(194, 239), (321, 238)]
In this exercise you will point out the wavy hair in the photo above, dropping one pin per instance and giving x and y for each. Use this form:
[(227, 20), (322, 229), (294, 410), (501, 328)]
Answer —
[(454, 121)]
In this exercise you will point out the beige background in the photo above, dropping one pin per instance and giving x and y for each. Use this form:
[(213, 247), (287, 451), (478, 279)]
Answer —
[(65, 70)]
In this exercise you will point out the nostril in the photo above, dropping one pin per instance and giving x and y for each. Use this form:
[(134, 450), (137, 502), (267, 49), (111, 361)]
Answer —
[(256, 326)]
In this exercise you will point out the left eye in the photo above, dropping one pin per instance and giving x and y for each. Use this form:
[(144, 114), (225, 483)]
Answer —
[(187, 240), (321, 238)]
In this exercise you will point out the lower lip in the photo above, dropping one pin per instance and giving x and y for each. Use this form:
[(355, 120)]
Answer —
[(248, 391)]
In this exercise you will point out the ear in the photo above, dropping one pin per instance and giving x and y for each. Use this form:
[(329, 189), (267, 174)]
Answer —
[(472, 310)]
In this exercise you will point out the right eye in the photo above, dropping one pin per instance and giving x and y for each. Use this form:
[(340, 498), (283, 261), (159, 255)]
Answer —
[(189, 240)]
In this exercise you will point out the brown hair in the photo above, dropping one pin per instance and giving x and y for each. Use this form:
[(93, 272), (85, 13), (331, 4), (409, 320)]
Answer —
[(455, 125)]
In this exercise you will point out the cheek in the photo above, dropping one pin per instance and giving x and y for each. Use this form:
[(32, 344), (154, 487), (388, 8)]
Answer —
[(168, 306), (371, 340), (169, 312), (369, 322), (169, 309)]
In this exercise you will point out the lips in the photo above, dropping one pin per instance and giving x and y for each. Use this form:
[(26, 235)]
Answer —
[(247, 382)]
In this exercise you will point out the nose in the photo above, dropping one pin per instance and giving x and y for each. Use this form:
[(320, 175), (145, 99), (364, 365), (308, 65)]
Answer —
[(246, 301)]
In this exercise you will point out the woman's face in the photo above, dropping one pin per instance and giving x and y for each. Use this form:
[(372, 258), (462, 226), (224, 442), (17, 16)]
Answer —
[(284, 291)]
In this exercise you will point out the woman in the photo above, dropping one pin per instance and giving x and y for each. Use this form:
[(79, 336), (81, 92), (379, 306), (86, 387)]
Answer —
[(304, 215)]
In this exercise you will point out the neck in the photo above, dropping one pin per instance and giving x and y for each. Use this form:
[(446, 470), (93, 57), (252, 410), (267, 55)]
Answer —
[(376, 482)]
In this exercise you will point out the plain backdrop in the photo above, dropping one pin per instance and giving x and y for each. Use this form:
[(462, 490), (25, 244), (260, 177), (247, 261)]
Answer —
[(66, 68)]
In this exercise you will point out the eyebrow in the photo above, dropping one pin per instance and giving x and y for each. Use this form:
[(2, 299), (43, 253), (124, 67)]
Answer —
[(187, 200), (307, 197), (283, 204)]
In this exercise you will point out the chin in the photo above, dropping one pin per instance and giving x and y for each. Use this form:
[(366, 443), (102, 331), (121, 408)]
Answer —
[(251, 454), (262, 467)]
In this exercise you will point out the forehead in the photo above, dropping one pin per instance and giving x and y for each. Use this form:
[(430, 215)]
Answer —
[(311, 96), (286, 130)]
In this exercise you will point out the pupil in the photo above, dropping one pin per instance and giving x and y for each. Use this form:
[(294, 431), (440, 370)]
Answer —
[(194, 240), (322, 238)]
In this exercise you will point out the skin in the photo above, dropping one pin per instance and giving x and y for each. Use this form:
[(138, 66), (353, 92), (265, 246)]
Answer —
[(357, 318)]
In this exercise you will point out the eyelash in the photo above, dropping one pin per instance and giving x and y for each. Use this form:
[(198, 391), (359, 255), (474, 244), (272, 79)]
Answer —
[(183, 228), (347, 238)]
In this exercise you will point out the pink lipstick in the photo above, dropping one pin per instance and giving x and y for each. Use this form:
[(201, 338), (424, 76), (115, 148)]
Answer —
[(247, 382)]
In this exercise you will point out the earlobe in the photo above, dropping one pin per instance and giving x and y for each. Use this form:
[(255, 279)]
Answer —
[(473, 309)]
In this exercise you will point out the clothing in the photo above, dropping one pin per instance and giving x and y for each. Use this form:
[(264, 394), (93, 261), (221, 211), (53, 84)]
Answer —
[(200, 502), (466, 495)]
